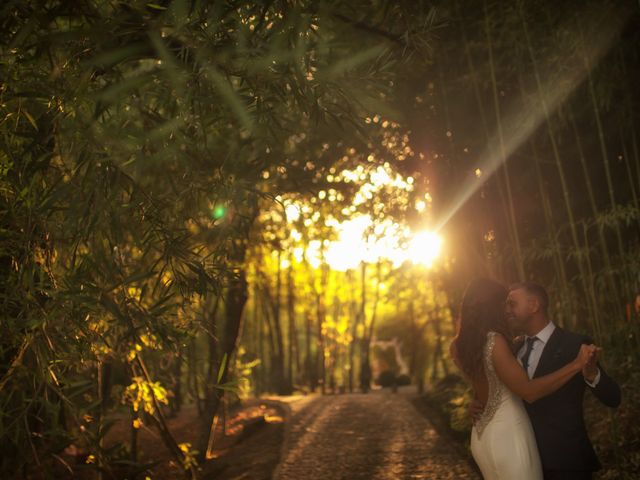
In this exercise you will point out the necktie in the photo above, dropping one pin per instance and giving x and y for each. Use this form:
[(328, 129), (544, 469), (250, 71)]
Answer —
[(525, 358)]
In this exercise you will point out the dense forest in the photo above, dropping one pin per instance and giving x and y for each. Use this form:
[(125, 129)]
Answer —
[(202, 202)]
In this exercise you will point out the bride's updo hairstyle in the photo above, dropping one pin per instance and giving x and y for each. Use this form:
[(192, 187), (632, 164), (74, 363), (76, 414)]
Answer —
[(482, 311)]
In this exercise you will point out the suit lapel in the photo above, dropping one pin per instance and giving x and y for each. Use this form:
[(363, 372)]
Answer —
[(551, 353)]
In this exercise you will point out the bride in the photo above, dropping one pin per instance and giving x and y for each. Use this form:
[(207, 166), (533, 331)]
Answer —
[(502, 439)]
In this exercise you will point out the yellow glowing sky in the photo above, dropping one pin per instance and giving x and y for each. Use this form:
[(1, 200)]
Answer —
[(352, 247), (389, 241)]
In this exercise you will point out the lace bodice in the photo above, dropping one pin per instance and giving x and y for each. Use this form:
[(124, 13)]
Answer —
[(496, 387)]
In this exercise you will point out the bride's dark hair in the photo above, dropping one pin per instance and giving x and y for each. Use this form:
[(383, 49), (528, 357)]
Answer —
[(482, 311)]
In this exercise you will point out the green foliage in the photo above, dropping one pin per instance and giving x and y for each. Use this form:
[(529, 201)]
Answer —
[(149, 153), (449, 397), (139, 142), (143, 395)]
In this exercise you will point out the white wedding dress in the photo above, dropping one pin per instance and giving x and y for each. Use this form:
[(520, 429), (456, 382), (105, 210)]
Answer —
[(502, 440)]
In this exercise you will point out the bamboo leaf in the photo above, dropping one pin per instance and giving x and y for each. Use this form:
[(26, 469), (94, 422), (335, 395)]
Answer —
[(221, 370), (113, 57), (30, 118), (351, 62), (118, 90), (230, 96)]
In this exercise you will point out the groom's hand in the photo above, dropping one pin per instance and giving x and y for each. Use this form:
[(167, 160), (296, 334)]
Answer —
[(590, 369), (476, 407)]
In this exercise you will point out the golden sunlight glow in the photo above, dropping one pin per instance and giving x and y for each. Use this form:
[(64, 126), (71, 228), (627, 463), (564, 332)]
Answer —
[(293, 212), (360, 238), (424, 248), (521, 121), (388, 241)]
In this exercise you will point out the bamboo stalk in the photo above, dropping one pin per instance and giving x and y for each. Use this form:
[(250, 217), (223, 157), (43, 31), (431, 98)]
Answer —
[(376, 300), (630, 116), (353, 317), (261, 342), (551, 229), (627, 164), (602, 242), (594, 319), (603, 145), (556, 156), (365, 369), (293, 355), (628, 292), (485, 126), (503, 155), (310, 365), (320, 318)]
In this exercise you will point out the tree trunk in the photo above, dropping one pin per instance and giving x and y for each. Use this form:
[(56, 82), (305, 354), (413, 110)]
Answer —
[(294, 351), (236, 296), (310, 361), (320, 362), (369, 329), (365, 366), (353, 318), (176, 405), (192, 376), (309, 364), (278, 368), (235, 300)]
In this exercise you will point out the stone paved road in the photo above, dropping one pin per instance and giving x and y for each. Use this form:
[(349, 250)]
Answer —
[(377, 436)]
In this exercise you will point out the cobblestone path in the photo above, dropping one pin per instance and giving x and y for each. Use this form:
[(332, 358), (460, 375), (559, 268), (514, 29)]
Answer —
[(377, 436)]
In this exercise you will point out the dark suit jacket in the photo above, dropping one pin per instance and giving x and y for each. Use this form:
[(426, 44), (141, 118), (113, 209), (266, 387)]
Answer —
[(557, 419)]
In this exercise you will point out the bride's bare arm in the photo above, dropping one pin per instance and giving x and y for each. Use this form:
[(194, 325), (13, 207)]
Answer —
[(516, 379)]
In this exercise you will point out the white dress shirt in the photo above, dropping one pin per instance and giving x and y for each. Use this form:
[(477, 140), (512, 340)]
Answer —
[(538, 346), (536, 352)]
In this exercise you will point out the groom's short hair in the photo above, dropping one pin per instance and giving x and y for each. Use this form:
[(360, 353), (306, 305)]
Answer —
[(536, 290)]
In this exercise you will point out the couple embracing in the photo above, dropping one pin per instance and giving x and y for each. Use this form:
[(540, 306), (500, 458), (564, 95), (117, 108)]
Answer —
[(544, 436)]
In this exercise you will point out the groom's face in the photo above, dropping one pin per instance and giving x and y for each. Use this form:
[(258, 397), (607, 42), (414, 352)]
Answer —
[(518, 311)]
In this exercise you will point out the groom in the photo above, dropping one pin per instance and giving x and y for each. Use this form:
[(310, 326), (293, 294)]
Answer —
[(565, 450)]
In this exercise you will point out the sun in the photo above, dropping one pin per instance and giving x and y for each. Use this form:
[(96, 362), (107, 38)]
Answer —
[(391, 242), (359, 239), (424, 248)]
